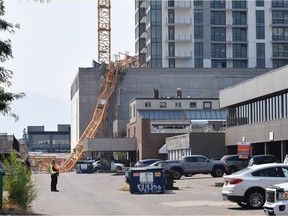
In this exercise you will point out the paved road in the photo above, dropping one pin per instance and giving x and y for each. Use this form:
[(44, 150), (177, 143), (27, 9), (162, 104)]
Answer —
[(102, 194)]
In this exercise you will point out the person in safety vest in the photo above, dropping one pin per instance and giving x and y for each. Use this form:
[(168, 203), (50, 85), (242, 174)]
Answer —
[(54, 171)]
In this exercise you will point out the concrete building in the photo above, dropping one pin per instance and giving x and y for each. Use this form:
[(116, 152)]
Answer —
[(8, 142), (168, 128), (257, 113), (40, 140), (212, 34), (140, 83)]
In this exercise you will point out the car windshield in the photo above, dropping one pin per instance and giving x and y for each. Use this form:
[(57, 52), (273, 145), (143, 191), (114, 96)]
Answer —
[(157, 163)]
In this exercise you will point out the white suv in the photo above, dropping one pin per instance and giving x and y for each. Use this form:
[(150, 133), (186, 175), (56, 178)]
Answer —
[(247, 186), (276, 199)]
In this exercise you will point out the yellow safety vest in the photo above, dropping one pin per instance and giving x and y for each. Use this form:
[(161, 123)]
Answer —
[(52, 171)]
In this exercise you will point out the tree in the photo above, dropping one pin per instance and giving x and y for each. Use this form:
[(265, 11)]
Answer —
[(18, 182), (6, 98)]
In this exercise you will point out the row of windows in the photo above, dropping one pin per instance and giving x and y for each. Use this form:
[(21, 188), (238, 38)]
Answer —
[(206, 105), (274, 107)]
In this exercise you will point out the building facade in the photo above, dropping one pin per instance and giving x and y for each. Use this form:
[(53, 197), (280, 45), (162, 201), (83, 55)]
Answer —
[(212, 34), (40, 140), (257, 114), (153, 120), (140, 83)]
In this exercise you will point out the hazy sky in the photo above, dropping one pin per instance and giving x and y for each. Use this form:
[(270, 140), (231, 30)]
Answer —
[(53, 41)]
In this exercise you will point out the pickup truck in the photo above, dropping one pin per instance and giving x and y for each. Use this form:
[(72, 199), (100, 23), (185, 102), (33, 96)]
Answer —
[(197, 164), (276, 199)]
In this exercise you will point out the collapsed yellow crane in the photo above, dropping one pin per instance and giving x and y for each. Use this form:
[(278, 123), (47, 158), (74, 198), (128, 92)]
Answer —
[(112, 73)]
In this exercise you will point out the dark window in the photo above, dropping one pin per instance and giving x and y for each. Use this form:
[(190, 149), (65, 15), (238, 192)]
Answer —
[(218, 51), (198, 54), (218, 18), (239, 18), (269, 172), (198, 2), (260, 24), (171, 31), (217, 4), (207, 105), (193, 104), (259, 3), (218, 34), (239, 34), (239, 4), (171, 16), (163, 105), (260, 52), (171, 63)]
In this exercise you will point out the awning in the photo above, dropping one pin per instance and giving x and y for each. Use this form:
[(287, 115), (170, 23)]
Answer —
[(163, 149)]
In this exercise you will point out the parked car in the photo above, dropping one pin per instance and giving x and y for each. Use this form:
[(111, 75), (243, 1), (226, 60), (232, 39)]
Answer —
[(277, 199), (247, 187), (145, 162), (167, 165), (117, 167), (234, 163), (96, 165), (262, 159), (197, 164)]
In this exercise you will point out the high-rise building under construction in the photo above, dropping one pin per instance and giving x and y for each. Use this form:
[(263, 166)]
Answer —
[(212, 33)]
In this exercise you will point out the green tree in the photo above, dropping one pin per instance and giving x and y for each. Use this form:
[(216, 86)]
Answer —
[(18, 182), (6, 98)]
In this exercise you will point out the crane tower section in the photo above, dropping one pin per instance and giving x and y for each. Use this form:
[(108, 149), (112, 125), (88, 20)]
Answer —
[(104, 31)]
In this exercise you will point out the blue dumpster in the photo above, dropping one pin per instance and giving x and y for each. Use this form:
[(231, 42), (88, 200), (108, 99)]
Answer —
[(84, 166), (146, 180)]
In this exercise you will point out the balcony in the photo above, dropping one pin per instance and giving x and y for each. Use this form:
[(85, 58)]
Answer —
[(179, 21), (179, 55), (179, 38), (178, 5)]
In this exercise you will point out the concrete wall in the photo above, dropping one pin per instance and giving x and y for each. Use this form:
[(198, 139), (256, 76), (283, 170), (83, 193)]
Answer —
[(265, 84), (140, 82)]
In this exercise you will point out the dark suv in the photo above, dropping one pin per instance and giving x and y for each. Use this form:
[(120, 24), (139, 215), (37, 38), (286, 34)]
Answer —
[(234, 163), (262, 159)]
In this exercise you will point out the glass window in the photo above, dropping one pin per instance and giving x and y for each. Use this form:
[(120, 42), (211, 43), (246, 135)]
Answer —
[(218, 18), (260, 52), (239, 18), (260, 24), (239, 34), (207, 105), (218, 51), (171, 16), (147, 104), (193, 105), (268, 172), (178, 104), (259, 3), (239, 4), (218, 34), (217, 4), (163, 104), (198, 54), (171, 63)]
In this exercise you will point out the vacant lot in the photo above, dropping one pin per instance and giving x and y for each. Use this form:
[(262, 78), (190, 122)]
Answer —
[(103, 194)]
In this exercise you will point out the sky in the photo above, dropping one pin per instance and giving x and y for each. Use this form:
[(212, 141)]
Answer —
[(54, 40)]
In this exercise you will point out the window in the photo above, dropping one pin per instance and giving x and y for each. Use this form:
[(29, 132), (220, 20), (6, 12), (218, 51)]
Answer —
[(193, 105), (198, 53), (239, 34), (207, 105), (269, 172), (198, 24), (218, 18), (218, 50), (163, 104), (260, 50), (171, 35), (171, 16), (171, 63), (259, 3), (218, 34), (171, 49), (148, 104), (178, 104), (134, 111), (239, 18), (260, 24)]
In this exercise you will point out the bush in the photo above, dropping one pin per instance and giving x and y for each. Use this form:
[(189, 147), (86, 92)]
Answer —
[(18, 182)]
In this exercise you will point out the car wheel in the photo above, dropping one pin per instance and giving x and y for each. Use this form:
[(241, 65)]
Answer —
[(217, 172), (177, 174), (118, 169), (255, 199)]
